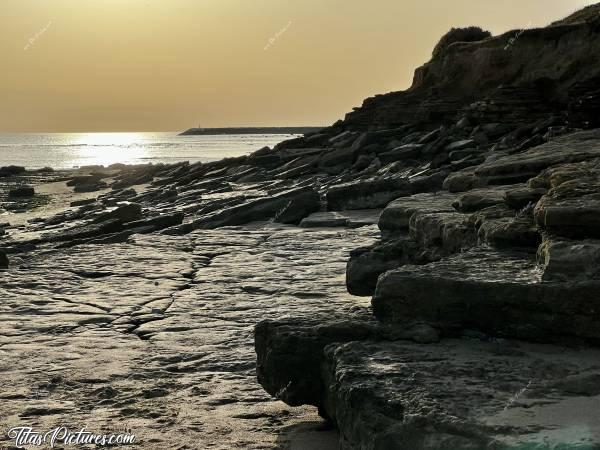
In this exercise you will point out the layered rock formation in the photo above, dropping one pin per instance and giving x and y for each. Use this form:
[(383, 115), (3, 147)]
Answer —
[(490, 163), (483, 179)]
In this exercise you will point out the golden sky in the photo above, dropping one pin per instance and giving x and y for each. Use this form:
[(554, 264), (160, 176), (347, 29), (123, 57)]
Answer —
[(161, 65)]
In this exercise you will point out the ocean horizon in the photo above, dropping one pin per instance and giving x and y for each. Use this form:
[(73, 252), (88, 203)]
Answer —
[(74, 150)]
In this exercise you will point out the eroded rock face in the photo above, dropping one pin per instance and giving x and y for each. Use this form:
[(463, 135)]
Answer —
[(497, 81), (497, 293), (570, 260), (289, 353)]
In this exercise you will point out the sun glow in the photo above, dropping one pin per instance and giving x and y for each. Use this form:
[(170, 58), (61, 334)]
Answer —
[(108, 148)]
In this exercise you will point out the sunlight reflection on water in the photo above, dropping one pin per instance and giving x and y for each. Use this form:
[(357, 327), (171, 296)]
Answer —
[(68, 150)]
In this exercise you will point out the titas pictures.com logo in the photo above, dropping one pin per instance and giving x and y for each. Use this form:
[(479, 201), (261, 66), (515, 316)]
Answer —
[(62, 436)]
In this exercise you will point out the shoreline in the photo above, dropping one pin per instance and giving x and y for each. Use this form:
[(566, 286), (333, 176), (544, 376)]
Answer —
[(421, 275), (295, 430)]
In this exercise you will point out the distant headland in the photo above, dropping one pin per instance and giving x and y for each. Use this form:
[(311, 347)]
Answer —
[(250, 130)]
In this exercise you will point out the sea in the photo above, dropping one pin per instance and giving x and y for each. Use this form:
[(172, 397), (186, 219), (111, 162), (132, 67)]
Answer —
[(73, 150)]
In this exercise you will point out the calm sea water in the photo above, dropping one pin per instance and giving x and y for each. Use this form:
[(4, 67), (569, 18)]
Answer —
[(69, 150)]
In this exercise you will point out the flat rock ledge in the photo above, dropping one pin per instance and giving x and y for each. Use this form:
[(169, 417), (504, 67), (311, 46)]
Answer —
[(390, 389)]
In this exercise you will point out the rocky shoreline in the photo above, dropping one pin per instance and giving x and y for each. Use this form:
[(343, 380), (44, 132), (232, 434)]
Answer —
[(466, 209)]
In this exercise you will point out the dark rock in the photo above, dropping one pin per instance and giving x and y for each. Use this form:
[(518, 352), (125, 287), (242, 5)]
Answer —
[(478, 199), (571, 209), (9, 171), (256, 209), (523, 166), (362, 162), (289, 353), (297, 208), (158, 222), (431, 136), (405, 396), (84, 202), (461, 181), (467, 34), (85, 231), (396, 216), (90, 187), (336, 157), (510, 232), (325, 219), (432, 181), (460, 145), (84, 180), (521, 197), (4, 263), (126, 212), (350, 219), (567, 260), (367, 264), (402, 153), (366, 194), (451, 231), (502, 292), (21, 192)]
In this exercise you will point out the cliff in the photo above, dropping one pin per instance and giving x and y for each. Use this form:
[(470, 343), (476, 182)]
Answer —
[(508, 78)]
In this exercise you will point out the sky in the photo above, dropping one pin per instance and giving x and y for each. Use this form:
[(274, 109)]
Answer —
[(167, 65)]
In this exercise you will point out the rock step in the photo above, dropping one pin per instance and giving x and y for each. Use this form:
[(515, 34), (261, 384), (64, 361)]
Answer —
[(397, 214), (289, 352), (497, 293), (461, 394), (568, 260)]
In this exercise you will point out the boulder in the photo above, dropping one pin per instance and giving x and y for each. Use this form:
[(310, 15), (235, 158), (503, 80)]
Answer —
[(362, 163), (337, 157)]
